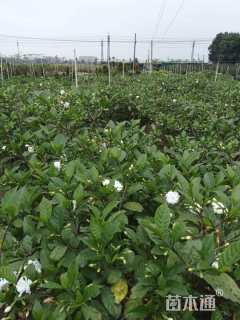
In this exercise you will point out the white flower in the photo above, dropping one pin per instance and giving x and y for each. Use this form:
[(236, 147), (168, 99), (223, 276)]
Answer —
[(106, 182), (174, 100), (131, 167), (40, 84), (215, 265), (30, 148), (118, 186), (186, 238), (137, 97), (218, 207), (62, 92), (4, 148), (37, 265), (23, 286), (57, 165), (7, 309), (3, 283), (74, 203), (172, 197), (66, 104)]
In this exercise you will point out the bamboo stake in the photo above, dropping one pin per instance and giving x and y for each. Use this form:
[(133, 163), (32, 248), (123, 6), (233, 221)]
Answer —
[(2, 78), (75, 68)]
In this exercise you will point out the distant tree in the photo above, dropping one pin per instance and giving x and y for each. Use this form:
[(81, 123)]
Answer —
[(225, 48)]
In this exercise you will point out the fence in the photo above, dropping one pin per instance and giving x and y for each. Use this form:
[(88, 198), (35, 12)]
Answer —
[(109, 55)]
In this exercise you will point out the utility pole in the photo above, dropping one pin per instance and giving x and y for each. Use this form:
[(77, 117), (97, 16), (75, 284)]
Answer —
[(75, 67), (193, 49), (134, 52), (109, 59), (151, 57), (102, 55)]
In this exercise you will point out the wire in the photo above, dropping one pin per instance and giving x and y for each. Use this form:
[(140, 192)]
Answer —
[(175, 17), (55, 40), (160, 16)]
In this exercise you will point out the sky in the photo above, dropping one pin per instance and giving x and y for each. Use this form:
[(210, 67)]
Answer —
[(94, 19)]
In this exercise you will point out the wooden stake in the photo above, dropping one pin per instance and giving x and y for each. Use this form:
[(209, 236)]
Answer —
[(134, 52), (102, 52), (75, 68), (2, 70), (216, 73), (151, 57), (123, 68), (43, 72)]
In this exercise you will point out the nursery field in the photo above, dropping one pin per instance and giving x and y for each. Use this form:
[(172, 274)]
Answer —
[(115, 200)]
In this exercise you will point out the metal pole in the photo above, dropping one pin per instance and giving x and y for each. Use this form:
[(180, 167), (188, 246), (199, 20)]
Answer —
[(134, 52), (109, 59), (151, 57), (75, 67), (193, 49), (102, 54), (18, 51)]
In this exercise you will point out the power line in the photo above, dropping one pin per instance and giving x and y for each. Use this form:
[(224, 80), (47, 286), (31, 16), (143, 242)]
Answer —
[(146, 40), (160, 16), (175, 17)]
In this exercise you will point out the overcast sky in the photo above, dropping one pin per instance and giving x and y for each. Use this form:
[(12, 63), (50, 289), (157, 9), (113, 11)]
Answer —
[(94, 19)]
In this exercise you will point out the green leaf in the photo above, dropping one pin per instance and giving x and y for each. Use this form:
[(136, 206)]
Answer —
[(114, 276), (37, 311), (72, 273), (134, 188), (108, 209), (208, 247), (64, 280), (178, 231), (230, 255), (96, 228), (225, 283), (209, 180), (45, 209), (91, 291), (78, 194), (58, 252), (51, 285), (236, 195), (69, 169), (91, 313), (216, 315), (133, 206), (162, 219), (94, 174), (6, 272), (60, 139), (10, 203), (196, 190), (109, 303)]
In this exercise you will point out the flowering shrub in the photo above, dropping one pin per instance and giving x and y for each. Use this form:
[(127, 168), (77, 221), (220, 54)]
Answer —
[(101, 219)]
